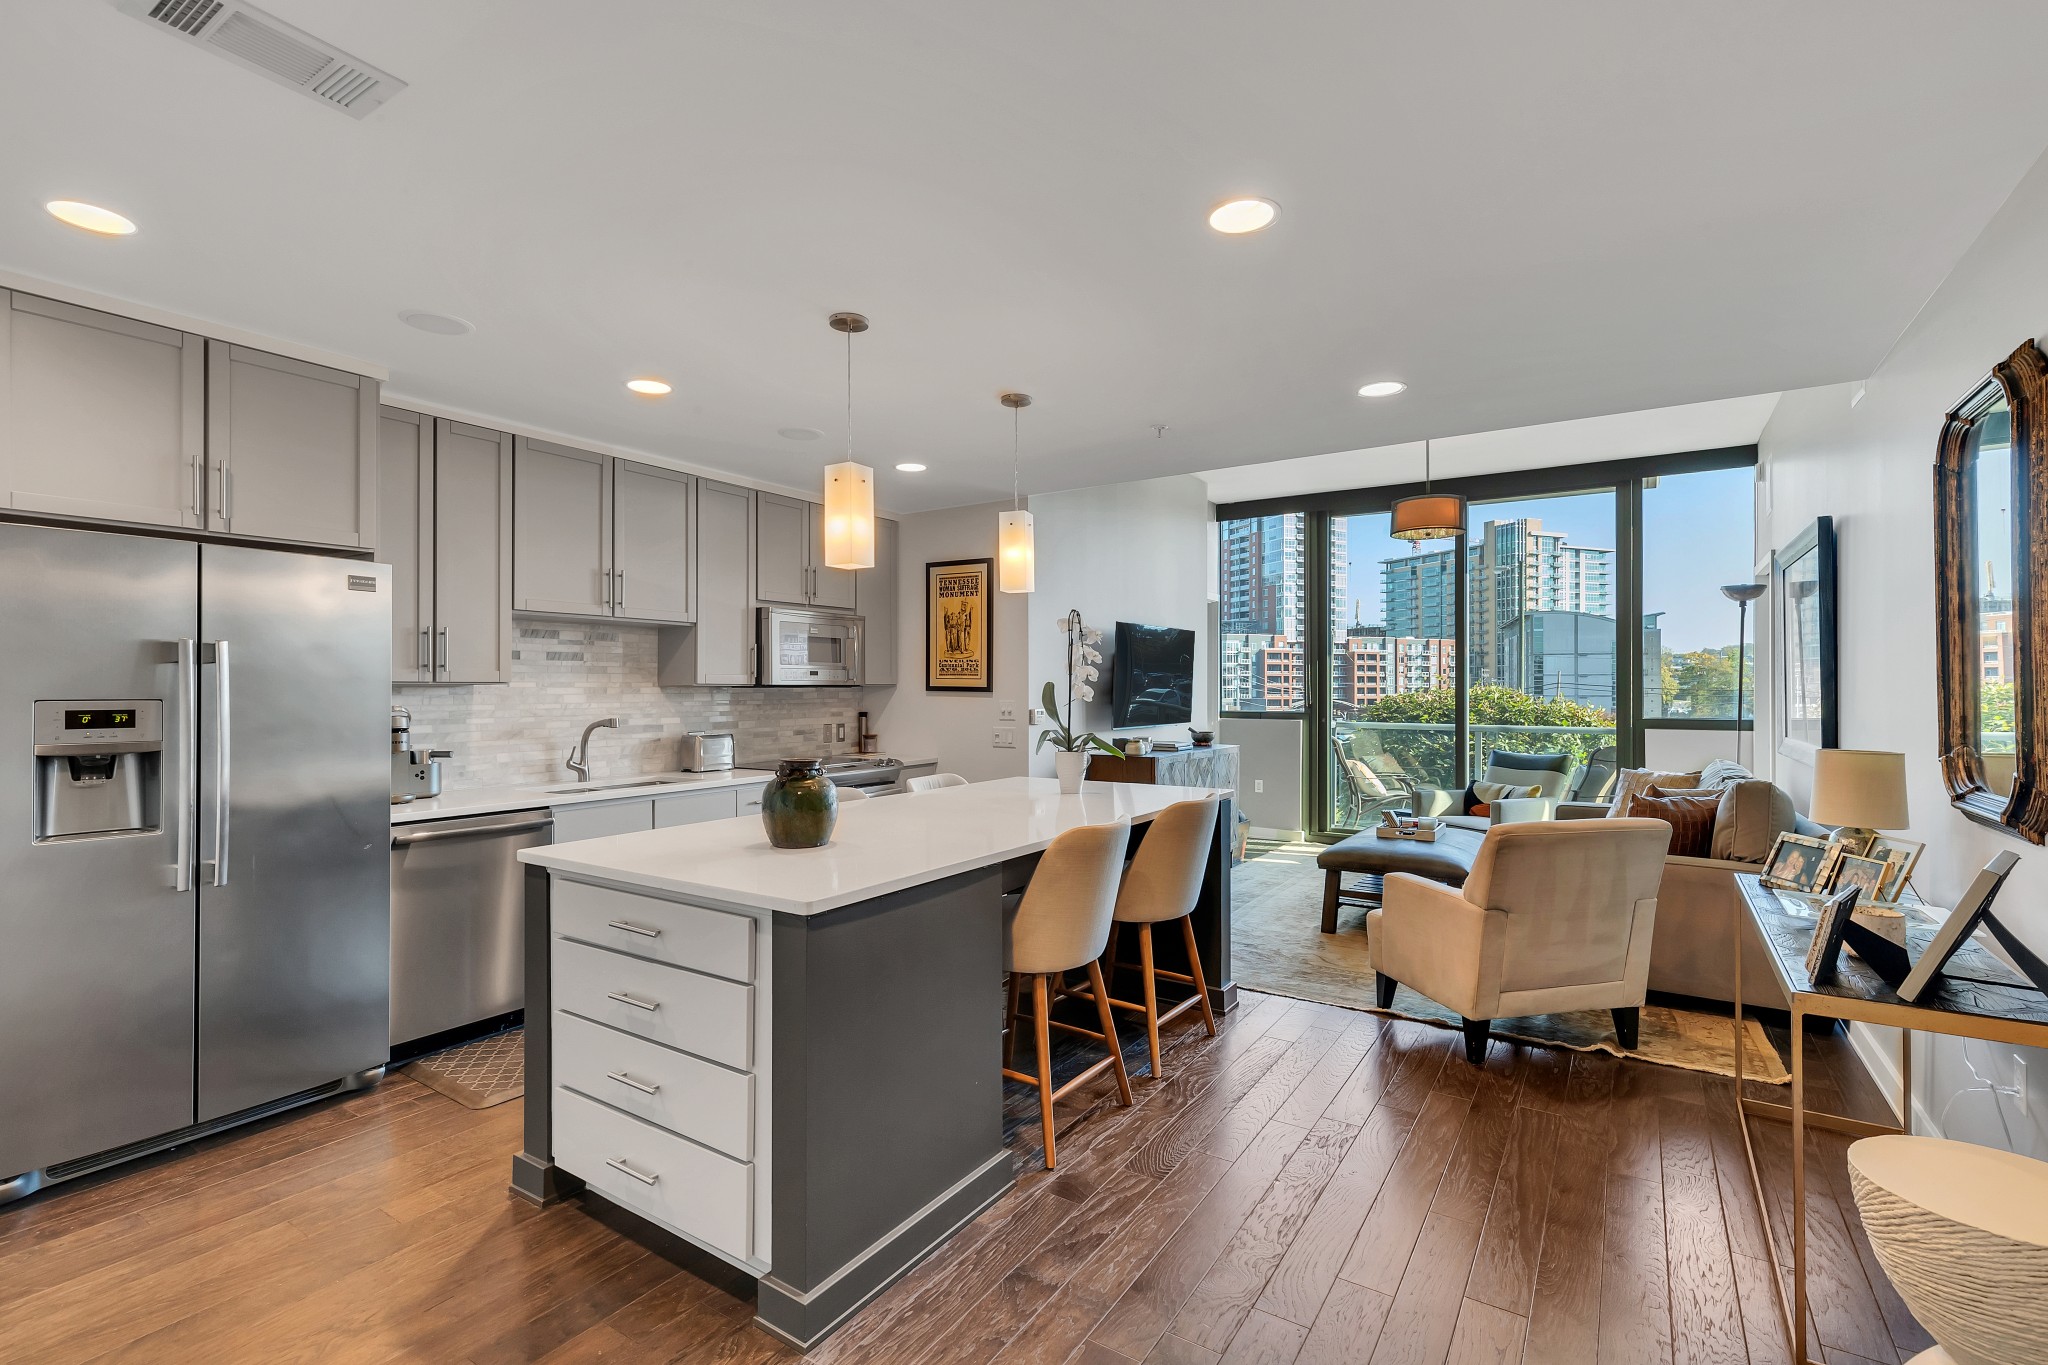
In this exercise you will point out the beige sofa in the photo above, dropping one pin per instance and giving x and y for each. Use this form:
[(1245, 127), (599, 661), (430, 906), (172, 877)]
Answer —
[(1698, 905)]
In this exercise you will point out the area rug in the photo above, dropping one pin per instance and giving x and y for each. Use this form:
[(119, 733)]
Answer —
[(1277, 946), (476, 1075)]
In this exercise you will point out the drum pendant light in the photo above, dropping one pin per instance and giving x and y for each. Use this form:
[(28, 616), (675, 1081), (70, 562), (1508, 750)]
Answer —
[(1016, 543), (1427, 515), (849, 487)]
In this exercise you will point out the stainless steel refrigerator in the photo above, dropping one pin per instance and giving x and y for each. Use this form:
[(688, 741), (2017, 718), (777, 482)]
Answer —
[(194, 840)]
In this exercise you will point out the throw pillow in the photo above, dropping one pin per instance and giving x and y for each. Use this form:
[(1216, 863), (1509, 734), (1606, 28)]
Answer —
[(1365, 779), (1480, 796), (1752, 815), (1721, 773), (1635, 781), (1690, 815)]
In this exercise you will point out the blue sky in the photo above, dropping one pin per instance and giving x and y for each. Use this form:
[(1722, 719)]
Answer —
[(1696, 536)]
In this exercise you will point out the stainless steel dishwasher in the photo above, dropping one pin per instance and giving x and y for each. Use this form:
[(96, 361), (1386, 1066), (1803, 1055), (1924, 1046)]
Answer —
[(456, 932)]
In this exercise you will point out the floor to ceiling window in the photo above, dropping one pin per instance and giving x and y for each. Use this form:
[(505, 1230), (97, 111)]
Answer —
[(1264, 567), (1697, 538)]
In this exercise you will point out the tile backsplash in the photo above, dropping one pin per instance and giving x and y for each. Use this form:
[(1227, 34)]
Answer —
[(566, 674)]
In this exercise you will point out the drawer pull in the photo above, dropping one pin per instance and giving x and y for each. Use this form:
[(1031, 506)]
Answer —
[(621, 1164), (623, 1079), (629, 927), (636, 1002)]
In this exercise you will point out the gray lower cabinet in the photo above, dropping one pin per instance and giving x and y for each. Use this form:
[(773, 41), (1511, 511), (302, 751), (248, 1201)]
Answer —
[(651, 519), (291, 449), (595, 820), (717, 651), (877, 603), (445, 527), (101, 416), (561, 530)]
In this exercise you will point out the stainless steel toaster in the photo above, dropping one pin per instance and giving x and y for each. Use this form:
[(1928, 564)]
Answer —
[(707, 752)]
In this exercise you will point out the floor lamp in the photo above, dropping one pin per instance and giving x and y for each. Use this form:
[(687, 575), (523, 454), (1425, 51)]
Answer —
[(1741, 594)]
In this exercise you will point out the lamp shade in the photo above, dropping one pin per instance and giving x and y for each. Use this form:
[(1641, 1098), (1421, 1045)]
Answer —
[(1859, 788), (1016, 553), (849, 516), (1429, 516)]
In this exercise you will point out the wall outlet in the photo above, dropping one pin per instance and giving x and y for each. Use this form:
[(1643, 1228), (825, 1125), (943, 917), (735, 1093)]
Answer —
[(1037, 715), (826, 733), (1258, 786), (1006, 710), (839, 731), (1005, 737)]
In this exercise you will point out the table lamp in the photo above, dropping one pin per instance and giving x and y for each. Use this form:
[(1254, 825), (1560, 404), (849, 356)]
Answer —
[(1860, 790)]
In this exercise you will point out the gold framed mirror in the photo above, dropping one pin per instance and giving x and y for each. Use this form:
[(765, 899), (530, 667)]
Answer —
[(1990, 544)]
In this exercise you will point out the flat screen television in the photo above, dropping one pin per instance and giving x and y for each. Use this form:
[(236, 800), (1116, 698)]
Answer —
[(1152, 677)]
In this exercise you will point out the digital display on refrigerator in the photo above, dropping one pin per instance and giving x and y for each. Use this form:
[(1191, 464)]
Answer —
[(99, 720)]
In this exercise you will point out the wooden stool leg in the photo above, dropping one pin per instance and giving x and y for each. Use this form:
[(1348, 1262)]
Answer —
[(1010, 1023), (1116, 1051), (1115, 940), (1039, 1016), (1151, 996), (1333, 882), (1187, 933)]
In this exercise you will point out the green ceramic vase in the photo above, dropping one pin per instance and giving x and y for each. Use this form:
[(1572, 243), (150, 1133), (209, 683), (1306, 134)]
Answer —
[(801, 805)]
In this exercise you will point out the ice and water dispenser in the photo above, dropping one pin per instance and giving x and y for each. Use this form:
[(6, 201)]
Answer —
[(98, 768)]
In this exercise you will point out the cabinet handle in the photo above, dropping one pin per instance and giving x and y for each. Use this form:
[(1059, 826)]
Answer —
[(426, 658), (619, 1163), (620, 605), (629, 927), (623, 1079), (624, 999), (442, 661)]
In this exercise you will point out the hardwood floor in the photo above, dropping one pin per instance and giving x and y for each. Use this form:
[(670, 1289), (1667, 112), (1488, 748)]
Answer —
[(1313, 1186)]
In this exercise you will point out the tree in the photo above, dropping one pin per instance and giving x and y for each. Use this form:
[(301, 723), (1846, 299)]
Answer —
[(1995, 717), (1514, 721), (1701, 683)]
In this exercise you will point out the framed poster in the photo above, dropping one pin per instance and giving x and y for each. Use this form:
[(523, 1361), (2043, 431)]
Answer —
[(1805, 608), (956, 625)]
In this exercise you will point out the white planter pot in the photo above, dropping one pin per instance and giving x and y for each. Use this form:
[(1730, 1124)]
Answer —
[(1070, 767)]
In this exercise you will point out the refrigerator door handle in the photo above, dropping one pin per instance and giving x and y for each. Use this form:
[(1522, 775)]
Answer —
[(180, 788), (222, 765)]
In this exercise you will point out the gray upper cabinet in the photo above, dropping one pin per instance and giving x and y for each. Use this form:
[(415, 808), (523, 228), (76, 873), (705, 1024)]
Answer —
[(831, 588), (877, 602), (651, 578), (472, 502), (445, 526), (405, 491), (561, 530), (782, 557), (100, 416), (292, 449), (718, 651)]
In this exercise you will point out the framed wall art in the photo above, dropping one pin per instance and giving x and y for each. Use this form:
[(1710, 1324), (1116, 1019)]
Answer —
[(1803, 580), (957, 653)]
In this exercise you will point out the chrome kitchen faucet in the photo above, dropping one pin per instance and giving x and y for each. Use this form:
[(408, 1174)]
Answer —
[(579, 757)]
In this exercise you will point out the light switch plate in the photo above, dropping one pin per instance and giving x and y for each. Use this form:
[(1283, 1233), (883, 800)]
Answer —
[(1005, 737), (1006, 710)]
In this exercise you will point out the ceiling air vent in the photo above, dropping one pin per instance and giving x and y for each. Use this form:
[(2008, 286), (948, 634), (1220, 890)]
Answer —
[(268, 45)]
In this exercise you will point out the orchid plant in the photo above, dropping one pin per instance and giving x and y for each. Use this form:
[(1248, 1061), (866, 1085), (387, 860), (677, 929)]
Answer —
[(1084, 657)]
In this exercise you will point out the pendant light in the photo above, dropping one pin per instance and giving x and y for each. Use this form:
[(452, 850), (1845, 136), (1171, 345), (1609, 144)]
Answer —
[(1427, 515), (1016, 543), (849, 487)]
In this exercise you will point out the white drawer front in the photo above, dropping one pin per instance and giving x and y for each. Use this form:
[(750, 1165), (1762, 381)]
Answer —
[(690, 1189), (693, 1097), (686, 935), (596, 821), (696, 1013), (750, 798), (694, 808)]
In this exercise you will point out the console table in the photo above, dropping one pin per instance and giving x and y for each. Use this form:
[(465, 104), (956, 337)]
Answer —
[(1977, 996)]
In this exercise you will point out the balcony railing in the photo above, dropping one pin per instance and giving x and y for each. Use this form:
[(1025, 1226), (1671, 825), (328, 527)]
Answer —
[(1422, 754)]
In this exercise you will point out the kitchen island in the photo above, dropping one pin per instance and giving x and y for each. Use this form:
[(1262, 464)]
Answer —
[(791, 1058)]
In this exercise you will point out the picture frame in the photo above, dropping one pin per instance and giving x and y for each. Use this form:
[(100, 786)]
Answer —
[(1803, 598), (1867, 875), (1962, 922), (1901, 856), (1800, 862), (1829, 928), (958, 640)]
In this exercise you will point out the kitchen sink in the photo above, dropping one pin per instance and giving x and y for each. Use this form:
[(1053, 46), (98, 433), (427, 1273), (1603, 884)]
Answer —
[(612, 786)]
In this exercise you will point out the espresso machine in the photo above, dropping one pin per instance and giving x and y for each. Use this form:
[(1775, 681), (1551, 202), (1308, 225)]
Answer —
[(414, 772)]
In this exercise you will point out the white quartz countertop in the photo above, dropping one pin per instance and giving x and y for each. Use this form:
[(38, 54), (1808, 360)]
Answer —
[(877, 846), (455, 804)]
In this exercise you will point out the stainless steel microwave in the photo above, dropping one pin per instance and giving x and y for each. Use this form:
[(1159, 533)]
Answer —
[(809, 648)]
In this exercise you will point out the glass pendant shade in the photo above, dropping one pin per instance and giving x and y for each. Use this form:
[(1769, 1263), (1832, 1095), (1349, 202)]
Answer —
[(849, 516), (1429, 516), (1016, 553)]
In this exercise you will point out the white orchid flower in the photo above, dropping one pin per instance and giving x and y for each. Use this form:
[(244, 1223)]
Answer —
[(1084, 692)]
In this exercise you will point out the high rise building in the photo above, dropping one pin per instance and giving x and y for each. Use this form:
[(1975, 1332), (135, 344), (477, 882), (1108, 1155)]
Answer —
[(1264, 608)]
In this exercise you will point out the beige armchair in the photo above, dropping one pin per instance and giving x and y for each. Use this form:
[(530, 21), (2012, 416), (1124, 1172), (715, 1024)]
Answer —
[(1555, 916)]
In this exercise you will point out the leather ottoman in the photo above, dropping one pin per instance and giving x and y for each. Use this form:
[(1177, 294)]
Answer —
[(1448, 860)]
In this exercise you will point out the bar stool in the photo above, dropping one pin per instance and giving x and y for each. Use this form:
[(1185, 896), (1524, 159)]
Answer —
[(936, 782), (1061, 924), (1163, 883)]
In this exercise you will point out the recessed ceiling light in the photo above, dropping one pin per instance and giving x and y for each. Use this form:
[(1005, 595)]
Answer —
[(1235, 216), (91, 217), (440, 324), (653, 388), (800, 433), (910, 467), (1382, 388)]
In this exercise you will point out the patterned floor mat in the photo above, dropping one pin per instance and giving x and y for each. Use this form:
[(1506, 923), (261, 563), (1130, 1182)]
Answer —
[(476, 1075)]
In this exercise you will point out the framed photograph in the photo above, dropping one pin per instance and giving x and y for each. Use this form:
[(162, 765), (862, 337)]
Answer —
[(1799, 862), (1828, 929), (956, 628), (1803, 598), (1857, 844), (1865, 874), (1900, 856), (1955, 931)]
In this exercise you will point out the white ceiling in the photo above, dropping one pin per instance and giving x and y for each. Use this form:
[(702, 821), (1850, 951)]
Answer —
[(1583, 440), (1530, 212)]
